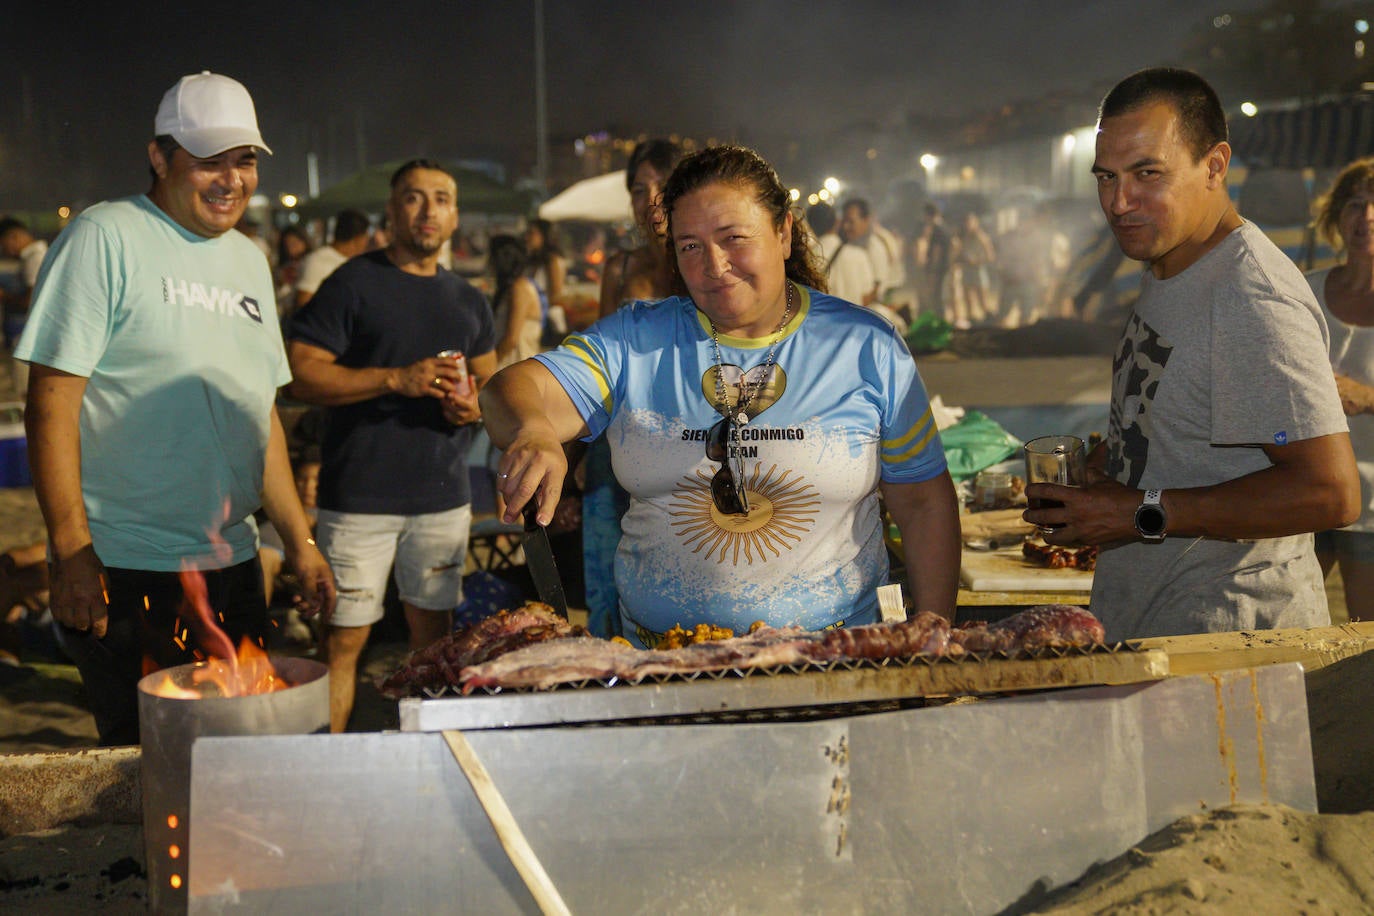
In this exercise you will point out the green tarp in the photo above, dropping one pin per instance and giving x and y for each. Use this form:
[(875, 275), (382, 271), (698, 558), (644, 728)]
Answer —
[(368, 191), (976, 442)]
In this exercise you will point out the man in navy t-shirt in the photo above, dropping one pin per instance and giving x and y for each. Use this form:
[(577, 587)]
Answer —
[(393, 480)]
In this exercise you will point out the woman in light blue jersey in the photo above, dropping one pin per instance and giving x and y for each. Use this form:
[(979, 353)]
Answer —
[(757, 423)]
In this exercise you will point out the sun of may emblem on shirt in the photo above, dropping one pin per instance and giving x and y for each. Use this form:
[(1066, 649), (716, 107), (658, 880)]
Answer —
[(782, 508), (782, 505)]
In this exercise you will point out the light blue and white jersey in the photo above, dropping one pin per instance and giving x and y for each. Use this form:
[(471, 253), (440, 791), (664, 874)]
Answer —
[(178, 336), (845, 409)]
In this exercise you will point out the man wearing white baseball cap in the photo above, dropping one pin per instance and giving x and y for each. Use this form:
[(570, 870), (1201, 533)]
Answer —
[(153, 434), (207, 114)]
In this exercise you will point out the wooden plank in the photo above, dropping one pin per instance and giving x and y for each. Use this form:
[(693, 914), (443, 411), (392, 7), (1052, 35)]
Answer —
[(1011, 675), (512, 838), (969, 598), (1008, 571), (1315, 648)]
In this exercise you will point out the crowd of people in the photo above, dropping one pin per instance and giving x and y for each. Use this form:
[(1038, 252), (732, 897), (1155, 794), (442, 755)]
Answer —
[(967, 274), (740, 424)]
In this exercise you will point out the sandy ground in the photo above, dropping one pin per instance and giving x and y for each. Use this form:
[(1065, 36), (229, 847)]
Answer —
[(1243, 860)]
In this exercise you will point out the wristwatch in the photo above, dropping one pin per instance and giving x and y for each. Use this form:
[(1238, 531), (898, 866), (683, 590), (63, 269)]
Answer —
[(1150, 518)]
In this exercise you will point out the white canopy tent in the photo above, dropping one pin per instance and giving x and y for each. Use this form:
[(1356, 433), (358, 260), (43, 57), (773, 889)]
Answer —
[(603, 199)]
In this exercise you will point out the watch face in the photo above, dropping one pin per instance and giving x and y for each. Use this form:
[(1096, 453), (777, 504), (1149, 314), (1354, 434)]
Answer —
[(1149, 520)]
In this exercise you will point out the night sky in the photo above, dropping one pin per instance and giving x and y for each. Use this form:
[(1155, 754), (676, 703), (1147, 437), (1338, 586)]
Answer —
[(456, 79)]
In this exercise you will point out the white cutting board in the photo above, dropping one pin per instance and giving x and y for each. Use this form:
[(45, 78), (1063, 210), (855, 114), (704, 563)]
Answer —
[(1008, 571)]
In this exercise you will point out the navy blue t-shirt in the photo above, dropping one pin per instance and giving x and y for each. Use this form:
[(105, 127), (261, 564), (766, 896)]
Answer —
[(393, 455)]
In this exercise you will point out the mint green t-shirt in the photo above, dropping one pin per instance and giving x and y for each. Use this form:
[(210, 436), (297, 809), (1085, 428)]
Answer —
[(179, 338)]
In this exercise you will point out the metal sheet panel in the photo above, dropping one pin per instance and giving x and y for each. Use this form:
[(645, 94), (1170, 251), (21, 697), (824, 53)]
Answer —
[(620, 818), (960, 808), (1035, 792), (1255, 719)]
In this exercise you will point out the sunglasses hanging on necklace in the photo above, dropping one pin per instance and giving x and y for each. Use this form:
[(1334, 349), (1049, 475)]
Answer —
[(723, 441)]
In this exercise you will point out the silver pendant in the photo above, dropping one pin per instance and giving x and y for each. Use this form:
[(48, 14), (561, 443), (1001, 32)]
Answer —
[(742, 419)]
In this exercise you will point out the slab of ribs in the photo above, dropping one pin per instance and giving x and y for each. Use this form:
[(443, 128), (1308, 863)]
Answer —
[(532, 647)]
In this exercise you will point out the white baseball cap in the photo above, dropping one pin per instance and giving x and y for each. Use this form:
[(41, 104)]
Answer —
[(207, 114)]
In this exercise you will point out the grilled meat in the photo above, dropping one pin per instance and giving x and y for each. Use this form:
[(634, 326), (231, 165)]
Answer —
[(1052, 557), (533, 648), (565, 660), (438, 665), (547, 664), (1057, 626), (766, 647), (924, 634), (560, 661)]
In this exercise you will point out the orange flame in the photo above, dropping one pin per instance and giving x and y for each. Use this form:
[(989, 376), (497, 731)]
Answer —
[(195, 609), (248, 673)]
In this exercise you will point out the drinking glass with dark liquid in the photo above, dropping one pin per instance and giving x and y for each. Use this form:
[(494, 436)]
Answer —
[(1055, 459)]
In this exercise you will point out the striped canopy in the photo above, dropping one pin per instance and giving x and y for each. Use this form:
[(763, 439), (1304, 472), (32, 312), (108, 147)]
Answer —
[(1319, 135)]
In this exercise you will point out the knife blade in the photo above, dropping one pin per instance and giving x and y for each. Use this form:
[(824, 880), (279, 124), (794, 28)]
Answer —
[(539, 560)]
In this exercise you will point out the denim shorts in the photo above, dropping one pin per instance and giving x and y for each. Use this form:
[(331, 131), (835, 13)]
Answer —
[(428, 552)]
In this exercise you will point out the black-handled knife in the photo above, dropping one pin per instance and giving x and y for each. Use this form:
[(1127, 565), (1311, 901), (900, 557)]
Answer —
[(539, 559)]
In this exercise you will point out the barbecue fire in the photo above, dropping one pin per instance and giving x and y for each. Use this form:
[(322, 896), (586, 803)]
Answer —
[(245, 694), (247, 673), (237, 684)]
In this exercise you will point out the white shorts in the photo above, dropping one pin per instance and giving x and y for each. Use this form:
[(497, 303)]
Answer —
[(269, 539), (427, 551)]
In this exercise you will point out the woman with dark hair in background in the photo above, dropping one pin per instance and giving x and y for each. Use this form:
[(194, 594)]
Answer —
[(517, 305), (1346, 295), (640, 274), (643, 273), (755, 421), (547, 267), (293, 244)]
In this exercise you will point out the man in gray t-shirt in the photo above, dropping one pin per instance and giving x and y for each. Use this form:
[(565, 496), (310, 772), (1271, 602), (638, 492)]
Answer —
[(1227, 444)]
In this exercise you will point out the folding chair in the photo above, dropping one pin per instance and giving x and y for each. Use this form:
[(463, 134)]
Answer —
[(492, 544)]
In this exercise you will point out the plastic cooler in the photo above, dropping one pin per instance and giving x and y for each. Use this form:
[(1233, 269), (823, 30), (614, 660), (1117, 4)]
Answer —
[(14, 451)]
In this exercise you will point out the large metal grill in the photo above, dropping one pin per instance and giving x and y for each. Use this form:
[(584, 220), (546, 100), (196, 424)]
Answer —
[(784, 692)]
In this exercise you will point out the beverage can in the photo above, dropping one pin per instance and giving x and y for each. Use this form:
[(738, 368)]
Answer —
[(461, 386)]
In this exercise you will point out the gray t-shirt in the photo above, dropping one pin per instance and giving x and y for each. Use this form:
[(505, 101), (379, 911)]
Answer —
[(1215, 362)]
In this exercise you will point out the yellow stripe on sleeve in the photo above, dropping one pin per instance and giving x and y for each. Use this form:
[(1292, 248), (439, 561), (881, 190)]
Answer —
[(913, 443), (577, 344)]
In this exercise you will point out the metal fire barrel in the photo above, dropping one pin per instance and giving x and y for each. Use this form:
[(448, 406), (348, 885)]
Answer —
[(169, 727)]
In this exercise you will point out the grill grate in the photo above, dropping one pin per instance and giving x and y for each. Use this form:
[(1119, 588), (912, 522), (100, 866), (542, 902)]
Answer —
[(785, 693), (857, 664)]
